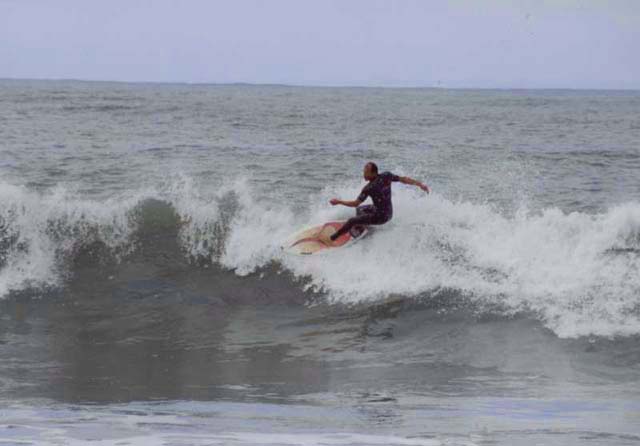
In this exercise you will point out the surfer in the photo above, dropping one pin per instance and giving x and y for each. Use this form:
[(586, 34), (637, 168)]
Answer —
[(379, 189)]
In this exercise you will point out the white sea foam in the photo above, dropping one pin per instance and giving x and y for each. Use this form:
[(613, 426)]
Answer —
[(577, 272), (37, 229), (200, 423)]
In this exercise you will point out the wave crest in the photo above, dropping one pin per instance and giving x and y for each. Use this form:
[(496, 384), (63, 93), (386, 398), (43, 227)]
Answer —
[(576, 272)]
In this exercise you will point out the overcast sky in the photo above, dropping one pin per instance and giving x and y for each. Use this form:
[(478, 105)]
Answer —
[(454, 43)]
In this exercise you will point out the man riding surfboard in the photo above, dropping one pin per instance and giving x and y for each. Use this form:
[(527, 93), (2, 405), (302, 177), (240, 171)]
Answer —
[(379, 189)]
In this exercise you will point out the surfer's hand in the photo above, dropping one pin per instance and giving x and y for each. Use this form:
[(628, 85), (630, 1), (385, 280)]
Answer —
[(425, 188), (334, 201)]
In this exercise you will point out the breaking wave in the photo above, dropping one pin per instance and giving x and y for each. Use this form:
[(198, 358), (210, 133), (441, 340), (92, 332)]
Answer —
[(576, 272)]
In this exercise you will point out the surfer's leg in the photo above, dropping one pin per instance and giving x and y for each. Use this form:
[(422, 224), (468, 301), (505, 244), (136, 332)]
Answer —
[(365, 219), (366, 209)]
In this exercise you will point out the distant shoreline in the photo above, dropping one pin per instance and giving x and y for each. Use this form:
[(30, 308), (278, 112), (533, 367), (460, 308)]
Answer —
[(293, 85)]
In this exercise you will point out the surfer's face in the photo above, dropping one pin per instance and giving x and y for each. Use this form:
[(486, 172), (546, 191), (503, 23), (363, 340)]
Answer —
[(368, 173)]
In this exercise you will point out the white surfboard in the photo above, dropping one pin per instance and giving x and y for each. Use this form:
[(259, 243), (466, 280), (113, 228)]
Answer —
[(316, 239)]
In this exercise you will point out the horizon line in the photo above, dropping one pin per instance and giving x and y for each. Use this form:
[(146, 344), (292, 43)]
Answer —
[(312, 85)]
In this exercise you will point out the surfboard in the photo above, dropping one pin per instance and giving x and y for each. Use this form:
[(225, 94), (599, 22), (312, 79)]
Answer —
[(316, 239)]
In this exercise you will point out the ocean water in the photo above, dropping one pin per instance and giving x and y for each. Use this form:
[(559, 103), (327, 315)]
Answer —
[(145, 299)]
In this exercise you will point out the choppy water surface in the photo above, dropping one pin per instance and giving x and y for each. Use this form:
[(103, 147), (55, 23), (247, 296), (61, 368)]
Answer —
[(144, 296)]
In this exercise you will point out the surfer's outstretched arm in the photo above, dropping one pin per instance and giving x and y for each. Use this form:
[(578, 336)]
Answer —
[(412, 182), (351, 204)]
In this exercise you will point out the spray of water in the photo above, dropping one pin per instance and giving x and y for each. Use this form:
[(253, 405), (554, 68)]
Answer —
[(576, 272)]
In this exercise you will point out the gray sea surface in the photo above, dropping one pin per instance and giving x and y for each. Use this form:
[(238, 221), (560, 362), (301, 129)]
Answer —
[(145, 297)]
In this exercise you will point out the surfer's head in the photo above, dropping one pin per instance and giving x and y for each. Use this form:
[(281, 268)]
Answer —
[(370, 171)]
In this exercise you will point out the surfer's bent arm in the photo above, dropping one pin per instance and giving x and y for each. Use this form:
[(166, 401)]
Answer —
[(351, 204), (412, 182)]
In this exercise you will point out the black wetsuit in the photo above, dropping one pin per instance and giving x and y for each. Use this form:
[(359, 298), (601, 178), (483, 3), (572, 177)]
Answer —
[(382, 210)]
